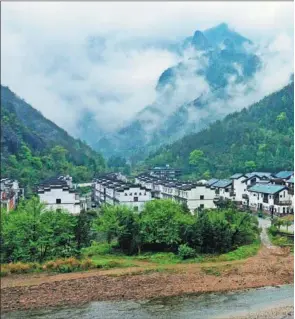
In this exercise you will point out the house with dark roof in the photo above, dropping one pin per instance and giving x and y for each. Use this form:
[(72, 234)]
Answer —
[(239, 187), (197, 195), (224, 189), (112, 190), (57, 194), (271, 198), (165, 172)]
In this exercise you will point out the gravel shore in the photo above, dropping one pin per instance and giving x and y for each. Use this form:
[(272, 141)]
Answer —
[(275, 313)]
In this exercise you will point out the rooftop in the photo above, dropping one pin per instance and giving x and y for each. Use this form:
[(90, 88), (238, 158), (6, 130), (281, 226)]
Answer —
[(212, 181), (266, 189), (237, 175), (222, 183), (284, 174)]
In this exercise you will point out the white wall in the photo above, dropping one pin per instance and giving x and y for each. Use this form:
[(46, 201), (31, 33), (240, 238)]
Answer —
[(239, 188), (68, 200), (256, 199), (194, 198)]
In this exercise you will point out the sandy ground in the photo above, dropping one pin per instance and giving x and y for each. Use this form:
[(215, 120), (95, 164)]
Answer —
[(269, 267)]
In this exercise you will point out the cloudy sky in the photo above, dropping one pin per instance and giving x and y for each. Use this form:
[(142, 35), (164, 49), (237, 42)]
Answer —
[(106, 58)]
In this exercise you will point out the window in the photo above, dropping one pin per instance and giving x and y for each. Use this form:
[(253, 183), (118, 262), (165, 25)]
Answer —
[(201, 196), (130, 194), (202, 206), (126, 194), (58, 201), (226, 190), (139, 194), (135, 199), (135, 193), (136, 208), (58, 210)]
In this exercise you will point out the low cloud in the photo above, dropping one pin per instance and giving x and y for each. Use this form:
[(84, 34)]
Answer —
[(64, 58)]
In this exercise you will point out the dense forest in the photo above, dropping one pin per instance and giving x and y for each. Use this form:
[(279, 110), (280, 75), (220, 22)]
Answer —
[(33, 148), (257, 138)]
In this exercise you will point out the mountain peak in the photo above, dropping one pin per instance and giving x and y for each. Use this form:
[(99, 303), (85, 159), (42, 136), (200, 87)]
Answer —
[(222, 26), (199, 41)]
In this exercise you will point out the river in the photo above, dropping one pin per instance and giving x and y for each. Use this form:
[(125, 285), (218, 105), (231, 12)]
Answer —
[(206, 306)]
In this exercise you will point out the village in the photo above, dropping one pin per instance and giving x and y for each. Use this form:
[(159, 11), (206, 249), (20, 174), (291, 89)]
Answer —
[(257, 191)]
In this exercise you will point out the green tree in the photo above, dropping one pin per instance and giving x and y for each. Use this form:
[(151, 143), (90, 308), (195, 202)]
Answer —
[(31, 233), (195, 157)]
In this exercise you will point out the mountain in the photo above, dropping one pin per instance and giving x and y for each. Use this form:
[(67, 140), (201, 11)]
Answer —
[(215, 65), (259, 138), (33, 147)]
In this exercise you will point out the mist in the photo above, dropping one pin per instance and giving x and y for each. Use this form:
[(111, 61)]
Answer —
[(106, 58)]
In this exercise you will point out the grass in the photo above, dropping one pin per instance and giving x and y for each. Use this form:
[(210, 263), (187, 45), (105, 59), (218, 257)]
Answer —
[(280, 240), (100, 256), (167, 258)]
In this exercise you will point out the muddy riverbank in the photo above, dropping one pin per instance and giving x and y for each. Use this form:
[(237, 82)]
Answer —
[(270, 267)]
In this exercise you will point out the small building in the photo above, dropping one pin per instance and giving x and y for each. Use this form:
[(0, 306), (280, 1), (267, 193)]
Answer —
[(224, 189), (165, 172), (10, 194), (271, 198), (57, 193), (238, 186)]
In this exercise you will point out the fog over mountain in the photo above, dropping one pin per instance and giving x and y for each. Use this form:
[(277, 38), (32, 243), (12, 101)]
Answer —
[(111, 72)]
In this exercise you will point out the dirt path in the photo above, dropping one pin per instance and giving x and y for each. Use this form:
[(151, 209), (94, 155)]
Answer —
[(264, 224), (268, 267)]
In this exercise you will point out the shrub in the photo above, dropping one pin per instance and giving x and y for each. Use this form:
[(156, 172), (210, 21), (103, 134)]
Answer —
[(19, 268), (68, 265), (97, 249), (186, 252)]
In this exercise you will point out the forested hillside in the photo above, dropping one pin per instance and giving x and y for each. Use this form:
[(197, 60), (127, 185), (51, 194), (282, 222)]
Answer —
[(260, 137), (33, 147)]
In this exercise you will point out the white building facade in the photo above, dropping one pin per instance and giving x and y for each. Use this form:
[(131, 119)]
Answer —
[(57, 194), (108, 189)]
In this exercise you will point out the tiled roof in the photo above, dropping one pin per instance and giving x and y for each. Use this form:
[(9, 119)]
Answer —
[(284, 174), (223, 183), (237, 175), (260, 174), (212, 181), (266, 189)]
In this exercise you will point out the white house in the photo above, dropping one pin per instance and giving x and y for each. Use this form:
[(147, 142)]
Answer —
[(196, 195), (239, 186), (110, 190), (269, 197), (224, 189), (56, 193)]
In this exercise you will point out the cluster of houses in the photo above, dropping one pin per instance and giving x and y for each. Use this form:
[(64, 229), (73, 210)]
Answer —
[(114, 189), (272, 193)]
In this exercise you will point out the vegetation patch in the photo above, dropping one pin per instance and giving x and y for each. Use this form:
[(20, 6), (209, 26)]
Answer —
[(280, 239)]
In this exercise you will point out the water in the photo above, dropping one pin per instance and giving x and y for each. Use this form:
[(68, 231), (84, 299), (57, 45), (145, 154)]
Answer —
[(206, 306)]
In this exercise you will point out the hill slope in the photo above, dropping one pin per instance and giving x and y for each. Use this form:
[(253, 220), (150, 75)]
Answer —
[(257, 138), (33, 147)]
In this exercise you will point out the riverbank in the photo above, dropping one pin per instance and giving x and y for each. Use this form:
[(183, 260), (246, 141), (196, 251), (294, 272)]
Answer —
[(270, 267), (275, 313)]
